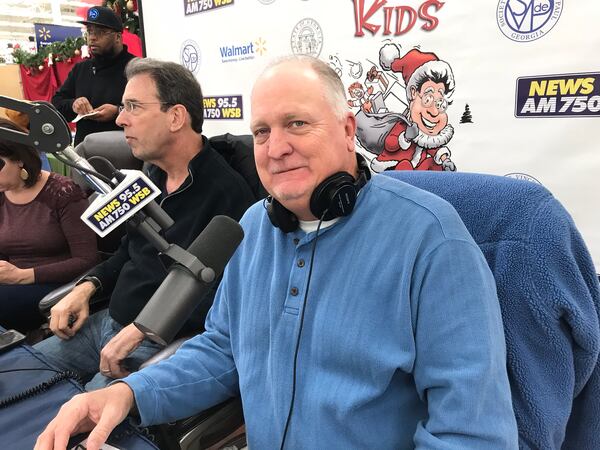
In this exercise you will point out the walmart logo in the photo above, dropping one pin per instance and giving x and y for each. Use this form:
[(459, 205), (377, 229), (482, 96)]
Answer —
[(246, 51), (44, 33)]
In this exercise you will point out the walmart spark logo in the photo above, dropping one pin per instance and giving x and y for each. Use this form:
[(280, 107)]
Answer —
[(44, 33), (261, 46)]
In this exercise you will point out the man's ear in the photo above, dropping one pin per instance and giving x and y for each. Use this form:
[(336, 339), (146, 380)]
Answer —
[(350, 131), (179, 116)]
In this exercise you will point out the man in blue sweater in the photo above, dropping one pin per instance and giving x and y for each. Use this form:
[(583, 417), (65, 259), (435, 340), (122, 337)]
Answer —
[(388, 340)]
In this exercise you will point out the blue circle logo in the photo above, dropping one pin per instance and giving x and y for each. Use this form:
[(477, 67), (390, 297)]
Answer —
[(527, 20), (93, 14)]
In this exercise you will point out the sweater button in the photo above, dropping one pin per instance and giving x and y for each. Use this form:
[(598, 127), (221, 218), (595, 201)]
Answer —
[(296, 240), (300, 263), (294, 291)]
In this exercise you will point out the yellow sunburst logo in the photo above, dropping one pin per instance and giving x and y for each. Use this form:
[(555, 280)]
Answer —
[(261, 46), (44, 33)]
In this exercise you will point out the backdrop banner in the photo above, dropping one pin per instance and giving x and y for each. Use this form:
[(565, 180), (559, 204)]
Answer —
[(506, 87)]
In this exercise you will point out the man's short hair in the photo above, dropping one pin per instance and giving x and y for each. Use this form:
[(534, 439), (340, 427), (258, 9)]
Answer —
[(175, 85), (334, 88)]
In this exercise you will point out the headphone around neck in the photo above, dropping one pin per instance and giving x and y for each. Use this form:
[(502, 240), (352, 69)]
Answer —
[(336, 195)]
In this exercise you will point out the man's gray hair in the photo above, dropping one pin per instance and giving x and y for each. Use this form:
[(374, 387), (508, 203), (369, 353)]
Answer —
[(334, 88), (175, 85)]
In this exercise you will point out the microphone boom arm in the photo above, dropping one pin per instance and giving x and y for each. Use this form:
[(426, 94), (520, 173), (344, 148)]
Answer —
[(49, 131)]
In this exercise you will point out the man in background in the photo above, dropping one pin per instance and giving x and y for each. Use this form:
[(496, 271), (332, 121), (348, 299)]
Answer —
[(96, 85)]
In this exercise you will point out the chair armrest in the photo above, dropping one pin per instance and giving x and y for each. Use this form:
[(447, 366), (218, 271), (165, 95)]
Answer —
[(202, 430), (53, 297), (164, 353)]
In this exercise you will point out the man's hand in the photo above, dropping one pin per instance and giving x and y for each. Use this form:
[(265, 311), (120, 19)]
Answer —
[(99, 411), (82, 106), (105, 113), (11, 274), (69, 315), (411, 132), (117, 349)]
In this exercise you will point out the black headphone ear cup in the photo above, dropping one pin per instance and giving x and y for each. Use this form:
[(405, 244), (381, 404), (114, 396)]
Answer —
[(281, 217), (336, 195)]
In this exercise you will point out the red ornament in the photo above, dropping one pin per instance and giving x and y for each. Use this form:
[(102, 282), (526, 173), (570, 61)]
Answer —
[(16, 46)]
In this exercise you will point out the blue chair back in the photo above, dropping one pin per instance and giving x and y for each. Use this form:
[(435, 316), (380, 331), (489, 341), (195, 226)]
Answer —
[(549, 296)]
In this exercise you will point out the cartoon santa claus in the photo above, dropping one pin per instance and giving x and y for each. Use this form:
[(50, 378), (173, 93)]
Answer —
[(419, 141)]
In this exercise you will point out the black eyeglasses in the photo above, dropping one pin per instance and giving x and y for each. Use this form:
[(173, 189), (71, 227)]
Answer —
[(98, 32)]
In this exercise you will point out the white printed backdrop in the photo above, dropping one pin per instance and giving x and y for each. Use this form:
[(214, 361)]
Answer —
[(526, 101)]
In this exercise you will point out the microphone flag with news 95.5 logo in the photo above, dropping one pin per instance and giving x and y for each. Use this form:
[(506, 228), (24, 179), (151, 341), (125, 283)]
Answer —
[(109, 211), (180, 292)]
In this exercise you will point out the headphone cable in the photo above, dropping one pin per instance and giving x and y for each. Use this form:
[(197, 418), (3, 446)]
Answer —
[(296, 351)]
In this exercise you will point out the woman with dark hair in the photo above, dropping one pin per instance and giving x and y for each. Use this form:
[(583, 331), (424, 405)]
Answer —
[(43, 242)]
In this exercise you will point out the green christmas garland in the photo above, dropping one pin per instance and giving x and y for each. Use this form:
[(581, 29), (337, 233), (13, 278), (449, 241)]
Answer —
[(61, 51)]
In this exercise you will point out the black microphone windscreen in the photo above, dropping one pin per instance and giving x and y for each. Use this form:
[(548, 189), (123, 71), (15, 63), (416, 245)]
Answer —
[(217, 243), (180, 292)]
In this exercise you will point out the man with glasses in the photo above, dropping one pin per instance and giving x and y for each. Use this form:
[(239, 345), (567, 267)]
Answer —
[(97, 84), (418, 140), (162, 116)]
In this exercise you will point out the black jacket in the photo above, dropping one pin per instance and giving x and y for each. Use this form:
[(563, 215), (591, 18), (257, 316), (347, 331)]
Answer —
[(135, 271), (101, 81)]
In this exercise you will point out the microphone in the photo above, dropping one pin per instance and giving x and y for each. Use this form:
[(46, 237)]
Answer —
[(180, 292)]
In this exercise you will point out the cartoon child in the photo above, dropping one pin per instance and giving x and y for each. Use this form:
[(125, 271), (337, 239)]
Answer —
[(419, 142), (360, 97)]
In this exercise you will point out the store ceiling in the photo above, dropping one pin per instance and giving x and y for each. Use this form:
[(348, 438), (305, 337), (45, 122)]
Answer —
[(18, 16)]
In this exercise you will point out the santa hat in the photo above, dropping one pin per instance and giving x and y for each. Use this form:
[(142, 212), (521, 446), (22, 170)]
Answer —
[(416, 65)]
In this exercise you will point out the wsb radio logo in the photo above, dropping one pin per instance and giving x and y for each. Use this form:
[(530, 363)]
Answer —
[(576, 94)]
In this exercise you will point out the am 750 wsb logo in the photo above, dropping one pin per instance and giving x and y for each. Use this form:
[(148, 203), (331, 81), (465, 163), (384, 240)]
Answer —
[(576, 95)]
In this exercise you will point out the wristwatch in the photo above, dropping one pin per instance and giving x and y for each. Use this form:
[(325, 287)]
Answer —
[(92, 279)]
